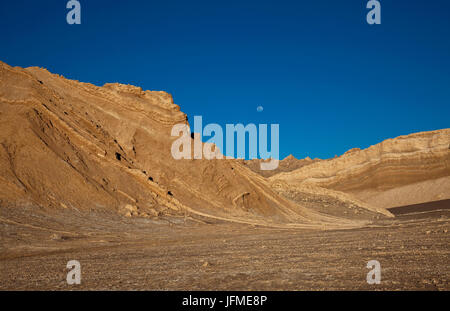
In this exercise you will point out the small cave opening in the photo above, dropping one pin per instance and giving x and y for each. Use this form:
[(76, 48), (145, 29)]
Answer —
[(170, 193), (118, 156), (150, 178)]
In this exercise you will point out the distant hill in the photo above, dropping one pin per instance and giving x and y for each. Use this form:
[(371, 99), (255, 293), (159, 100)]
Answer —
[(405, 170)]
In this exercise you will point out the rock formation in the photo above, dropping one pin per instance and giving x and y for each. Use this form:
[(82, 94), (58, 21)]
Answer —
[(288, 164), (405, 170), (72, 145)]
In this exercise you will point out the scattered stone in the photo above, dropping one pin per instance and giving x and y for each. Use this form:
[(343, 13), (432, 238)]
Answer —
[(131, 208), (56, 237)]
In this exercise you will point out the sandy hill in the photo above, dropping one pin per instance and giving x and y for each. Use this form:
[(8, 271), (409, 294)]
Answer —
[(71, 145), (401, 171)]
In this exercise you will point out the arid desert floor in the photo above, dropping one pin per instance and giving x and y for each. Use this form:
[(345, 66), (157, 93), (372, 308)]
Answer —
[(183, 254)]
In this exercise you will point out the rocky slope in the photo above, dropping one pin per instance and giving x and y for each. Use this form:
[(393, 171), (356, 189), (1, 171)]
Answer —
[(405, 170), (288, 164), (71, 145)]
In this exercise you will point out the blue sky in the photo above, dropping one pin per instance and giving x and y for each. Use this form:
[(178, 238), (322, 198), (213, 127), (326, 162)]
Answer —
[(329, 79)]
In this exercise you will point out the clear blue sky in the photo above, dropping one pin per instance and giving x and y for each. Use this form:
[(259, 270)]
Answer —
[(329, 79)]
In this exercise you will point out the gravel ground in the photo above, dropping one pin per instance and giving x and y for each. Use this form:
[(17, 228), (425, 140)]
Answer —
[(116, 253)]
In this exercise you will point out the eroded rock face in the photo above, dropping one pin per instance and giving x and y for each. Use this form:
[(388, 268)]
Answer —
[(288, 164), (75, 145), (392, 164)]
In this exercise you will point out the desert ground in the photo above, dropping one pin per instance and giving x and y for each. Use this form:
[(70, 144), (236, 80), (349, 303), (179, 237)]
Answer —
[(118, 253)]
